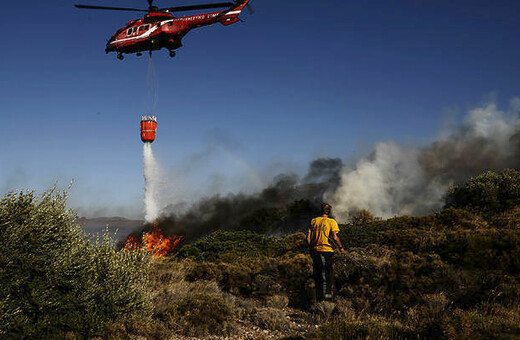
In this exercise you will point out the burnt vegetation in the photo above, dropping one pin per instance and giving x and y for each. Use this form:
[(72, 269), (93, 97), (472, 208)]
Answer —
[(451, 274)]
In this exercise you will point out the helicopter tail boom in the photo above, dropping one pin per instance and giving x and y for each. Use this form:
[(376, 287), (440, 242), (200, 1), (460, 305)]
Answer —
[(231, 16)]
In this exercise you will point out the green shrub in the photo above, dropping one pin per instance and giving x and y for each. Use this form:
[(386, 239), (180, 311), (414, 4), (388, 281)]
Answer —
[(234, 243), (489, 192), (54, 280), (354, 235), (293, 243)]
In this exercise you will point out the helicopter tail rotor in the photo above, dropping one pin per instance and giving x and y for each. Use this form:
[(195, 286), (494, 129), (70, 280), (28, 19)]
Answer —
[(248, 5), (250, 9)]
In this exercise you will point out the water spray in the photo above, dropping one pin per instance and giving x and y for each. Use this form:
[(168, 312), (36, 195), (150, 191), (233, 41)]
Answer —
[(151, 168)]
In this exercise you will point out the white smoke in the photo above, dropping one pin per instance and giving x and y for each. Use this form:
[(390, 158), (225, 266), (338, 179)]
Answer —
[(386, 184), (151, 186), (395, 180)]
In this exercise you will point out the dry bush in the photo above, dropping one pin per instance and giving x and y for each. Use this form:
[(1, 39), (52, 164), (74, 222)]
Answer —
[(136, 328), (170, 278), (368, 327), (270, 318), (202, 271), (264, 286), (508, 219), (279, 301), (197, 315), (200, 315), (191, 308), (488, 322), (435, 306), (324, 311), (244, 308), (428, 318)]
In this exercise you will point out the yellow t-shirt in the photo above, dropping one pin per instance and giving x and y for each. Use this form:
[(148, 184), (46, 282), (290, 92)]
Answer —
[(320, 232)]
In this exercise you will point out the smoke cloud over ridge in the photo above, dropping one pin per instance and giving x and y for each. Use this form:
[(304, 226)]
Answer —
[(394, 180)]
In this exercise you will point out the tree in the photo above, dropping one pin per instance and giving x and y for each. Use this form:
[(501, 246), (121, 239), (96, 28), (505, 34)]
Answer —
[(54, 279)]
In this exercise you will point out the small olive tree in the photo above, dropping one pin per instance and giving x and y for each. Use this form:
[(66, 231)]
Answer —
[(55, 280)]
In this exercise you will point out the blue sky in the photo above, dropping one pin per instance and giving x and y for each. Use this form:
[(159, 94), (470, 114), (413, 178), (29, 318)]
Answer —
[(295, 81)]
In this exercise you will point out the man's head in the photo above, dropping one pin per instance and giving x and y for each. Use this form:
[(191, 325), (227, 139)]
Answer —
[(326, 208)]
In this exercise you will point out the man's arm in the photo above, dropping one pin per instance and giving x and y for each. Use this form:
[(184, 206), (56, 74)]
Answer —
[(338, 242)]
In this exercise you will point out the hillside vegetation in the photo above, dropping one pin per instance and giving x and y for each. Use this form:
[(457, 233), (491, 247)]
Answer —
[(452, 274)]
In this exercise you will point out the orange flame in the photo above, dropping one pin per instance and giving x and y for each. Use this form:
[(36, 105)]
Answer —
[(131, 243), (154, 242)]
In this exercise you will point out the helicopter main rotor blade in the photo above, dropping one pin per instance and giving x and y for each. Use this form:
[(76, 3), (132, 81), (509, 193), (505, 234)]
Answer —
[(112, 8), (194, 7)]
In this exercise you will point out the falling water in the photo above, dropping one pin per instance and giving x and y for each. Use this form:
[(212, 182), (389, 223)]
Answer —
[(151, 179)]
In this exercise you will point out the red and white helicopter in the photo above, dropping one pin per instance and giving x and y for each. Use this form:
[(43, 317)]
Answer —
[(159, 28)]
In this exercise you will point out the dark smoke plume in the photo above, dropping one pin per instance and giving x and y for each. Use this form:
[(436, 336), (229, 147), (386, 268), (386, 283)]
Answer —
[(284, 206)]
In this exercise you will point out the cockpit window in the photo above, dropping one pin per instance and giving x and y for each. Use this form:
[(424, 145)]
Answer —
[(141, 28), (129, 32)]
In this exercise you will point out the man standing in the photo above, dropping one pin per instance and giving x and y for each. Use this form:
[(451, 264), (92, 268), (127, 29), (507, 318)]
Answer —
[(322, 238)]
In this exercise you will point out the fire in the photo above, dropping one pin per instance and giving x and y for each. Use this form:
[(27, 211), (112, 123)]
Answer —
[(154, 242), (131, 243)]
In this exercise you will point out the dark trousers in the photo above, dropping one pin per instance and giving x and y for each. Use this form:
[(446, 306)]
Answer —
[(323, 275)]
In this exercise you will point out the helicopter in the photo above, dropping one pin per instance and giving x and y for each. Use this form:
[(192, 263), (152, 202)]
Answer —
[(159, 28)]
